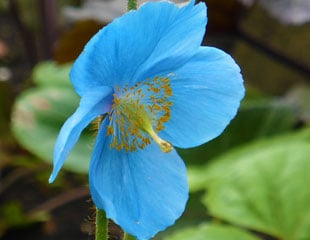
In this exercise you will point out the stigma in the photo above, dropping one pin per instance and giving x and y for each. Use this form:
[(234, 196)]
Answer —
[(138, 113)]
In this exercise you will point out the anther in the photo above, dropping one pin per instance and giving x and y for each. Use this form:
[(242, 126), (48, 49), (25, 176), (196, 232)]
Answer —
[(139, 113)]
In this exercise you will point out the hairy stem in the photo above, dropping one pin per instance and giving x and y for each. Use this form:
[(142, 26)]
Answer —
[(132, 5), (101, 225), (128, 237)]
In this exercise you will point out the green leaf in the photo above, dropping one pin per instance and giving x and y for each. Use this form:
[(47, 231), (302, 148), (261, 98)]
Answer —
[(13, 216), (211, 232), (38, 115), (255, 120), (203, 176), (264, 186), (50, 73)]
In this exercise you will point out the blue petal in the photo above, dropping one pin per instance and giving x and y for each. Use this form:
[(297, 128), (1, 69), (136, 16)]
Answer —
[(157, 38), (143, 191), (93, 103), (206, 95)]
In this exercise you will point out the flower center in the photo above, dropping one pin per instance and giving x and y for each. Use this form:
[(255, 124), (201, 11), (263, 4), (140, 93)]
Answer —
[(139, 113)]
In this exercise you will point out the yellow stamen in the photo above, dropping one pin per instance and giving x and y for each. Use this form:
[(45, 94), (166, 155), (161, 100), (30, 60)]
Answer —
[(137, 111)]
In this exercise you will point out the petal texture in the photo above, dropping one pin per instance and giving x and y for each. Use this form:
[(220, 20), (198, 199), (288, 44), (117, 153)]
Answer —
[(206, 95), (93, 103), (157, 38), (143, 191)]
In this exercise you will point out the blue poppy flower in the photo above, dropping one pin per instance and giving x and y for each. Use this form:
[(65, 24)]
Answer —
[(156, 88)]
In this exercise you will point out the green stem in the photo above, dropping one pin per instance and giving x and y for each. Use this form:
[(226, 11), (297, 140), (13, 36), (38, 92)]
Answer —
[(101, 225), (132, 5), (128, 237)]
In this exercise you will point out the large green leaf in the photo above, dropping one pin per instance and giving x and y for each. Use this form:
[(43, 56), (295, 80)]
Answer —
[(264, 186), (211, 232), (50, 73), (38, 115), (203, 176)]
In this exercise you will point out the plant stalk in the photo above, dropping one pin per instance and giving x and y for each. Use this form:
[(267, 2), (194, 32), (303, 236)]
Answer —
[(101, 225), (131, 5), (128, 237)]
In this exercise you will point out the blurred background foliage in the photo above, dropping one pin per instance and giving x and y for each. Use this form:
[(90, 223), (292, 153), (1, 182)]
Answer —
[(250, 183)]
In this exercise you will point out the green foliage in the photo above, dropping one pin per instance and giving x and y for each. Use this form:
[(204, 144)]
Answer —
[(264, 186), (39, 113), (212, 232), (49, 73), (131, 5), (13, 216)]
